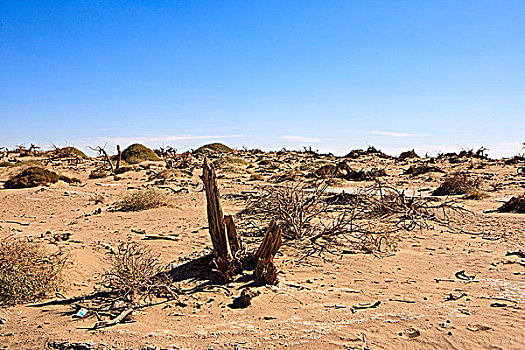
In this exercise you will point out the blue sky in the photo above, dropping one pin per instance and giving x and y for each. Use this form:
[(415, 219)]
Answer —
[(334, 75)]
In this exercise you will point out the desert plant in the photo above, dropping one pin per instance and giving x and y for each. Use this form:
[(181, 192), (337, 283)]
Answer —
[(28, 272), (458, 183), (141, 200), (32, 177), (138, 153)]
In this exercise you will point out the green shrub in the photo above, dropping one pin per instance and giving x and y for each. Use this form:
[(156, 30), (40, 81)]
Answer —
[(138, 153)]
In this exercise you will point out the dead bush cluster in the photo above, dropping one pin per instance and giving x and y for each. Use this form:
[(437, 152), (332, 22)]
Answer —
[(458, 183), (296, 205), (368, 220), (415, 170), (134, 270), (28, 272)]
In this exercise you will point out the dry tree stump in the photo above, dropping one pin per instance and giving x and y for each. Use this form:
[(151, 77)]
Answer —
[(227, 246), (265, 269), (224, 244)]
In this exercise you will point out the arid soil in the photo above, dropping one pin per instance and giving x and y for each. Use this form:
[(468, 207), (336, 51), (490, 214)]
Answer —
[(316, 304)]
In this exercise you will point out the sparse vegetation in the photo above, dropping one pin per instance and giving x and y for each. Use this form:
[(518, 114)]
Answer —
[(28, 272), (141, 200), (32, 177), (138, 153), (230, 162), (457, 184)]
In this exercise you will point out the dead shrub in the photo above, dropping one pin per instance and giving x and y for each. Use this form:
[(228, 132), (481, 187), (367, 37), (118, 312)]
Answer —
[(295, 205), (141, 200), (515, 205), (28, 272), (458, 183), (416, 170), (134, 269), (408, 154), (69, 180), (98, 174), (369, 220)]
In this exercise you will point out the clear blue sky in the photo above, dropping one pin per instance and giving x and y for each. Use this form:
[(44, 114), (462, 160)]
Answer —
[(336, 75)]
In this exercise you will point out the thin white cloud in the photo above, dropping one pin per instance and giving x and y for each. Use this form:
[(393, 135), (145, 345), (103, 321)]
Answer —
[(296, 138), (170, 138), (391, 133), (156, 139)]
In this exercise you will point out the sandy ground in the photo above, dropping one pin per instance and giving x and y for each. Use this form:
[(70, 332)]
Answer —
[(311, 308)]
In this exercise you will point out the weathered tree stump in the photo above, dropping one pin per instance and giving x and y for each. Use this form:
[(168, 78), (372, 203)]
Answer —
[(265, 269), (227, 246), (223, 244)]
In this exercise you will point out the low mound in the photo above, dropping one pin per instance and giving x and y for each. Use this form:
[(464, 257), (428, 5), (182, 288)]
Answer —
[(457, 184), (214, 148), (514, 205), (32, 177), (70, 152), (138, 153)]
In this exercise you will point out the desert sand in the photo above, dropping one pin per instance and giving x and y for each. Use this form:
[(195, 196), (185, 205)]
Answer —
[(313, 306)]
